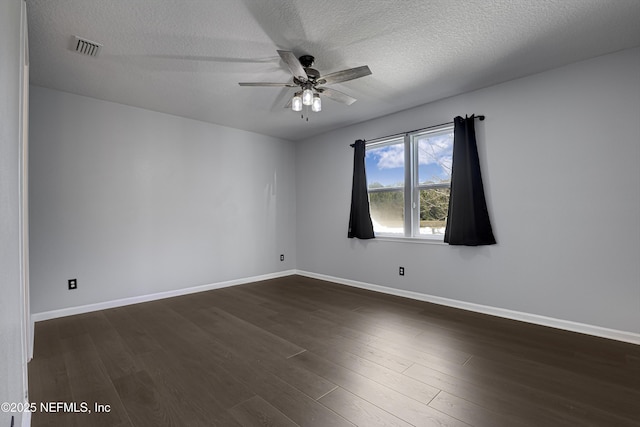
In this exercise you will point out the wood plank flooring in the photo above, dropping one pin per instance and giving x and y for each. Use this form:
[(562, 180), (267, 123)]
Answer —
[(297, 351)]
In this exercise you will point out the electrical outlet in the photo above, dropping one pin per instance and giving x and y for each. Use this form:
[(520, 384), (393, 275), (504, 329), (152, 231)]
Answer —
[(73, 284), (401, 271), (281, 257)]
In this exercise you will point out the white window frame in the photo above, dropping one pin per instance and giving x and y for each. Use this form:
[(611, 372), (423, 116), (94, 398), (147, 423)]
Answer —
[(412, 186)]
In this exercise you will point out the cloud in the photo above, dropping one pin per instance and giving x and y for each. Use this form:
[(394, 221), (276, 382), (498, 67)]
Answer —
[(436, 150), (431, 150), (389, 157)]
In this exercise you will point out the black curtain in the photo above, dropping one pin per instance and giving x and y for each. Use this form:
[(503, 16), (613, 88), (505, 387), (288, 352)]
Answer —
[(360, 225), (468, 219)]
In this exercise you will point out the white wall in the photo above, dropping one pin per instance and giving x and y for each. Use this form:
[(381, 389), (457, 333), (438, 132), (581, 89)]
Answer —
[(133, 202), (561, 155), (11, 315)]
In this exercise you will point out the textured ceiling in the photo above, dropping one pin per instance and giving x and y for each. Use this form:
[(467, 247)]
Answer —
[(187, 57)]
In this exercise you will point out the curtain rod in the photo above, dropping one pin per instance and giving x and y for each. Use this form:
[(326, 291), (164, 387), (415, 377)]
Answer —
[(480, 117)]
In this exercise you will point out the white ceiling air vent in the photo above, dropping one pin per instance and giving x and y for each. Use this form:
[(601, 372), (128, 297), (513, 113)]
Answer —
[(85, 47)]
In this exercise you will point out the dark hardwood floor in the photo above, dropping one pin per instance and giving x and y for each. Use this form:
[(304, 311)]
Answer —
[(299, 351)]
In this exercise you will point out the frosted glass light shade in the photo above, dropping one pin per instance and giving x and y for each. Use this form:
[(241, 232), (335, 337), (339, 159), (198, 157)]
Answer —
[(317, 103), (307, 97), (296, 102)]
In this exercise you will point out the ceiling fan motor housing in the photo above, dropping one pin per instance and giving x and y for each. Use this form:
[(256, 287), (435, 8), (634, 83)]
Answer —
[(312, 73)]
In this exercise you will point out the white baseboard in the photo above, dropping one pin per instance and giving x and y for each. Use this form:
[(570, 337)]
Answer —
[(53, 314), (582, 328)]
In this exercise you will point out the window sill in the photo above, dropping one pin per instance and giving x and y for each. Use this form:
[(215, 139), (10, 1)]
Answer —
[(422, 241)]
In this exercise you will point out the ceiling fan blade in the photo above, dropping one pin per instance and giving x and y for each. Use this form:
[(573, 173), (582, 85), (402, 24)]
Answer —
[(294, 65), (269, 84), (336, 95), (344, 75)]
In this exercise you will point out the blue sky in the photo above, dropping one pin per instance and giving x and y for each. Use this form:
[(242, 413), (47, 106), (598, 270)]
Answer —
[(385, 164)]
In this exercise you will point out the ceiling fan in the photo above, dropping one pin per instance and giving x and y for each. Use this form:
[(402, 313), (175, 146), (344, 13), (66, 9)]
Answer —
[(311, 83)]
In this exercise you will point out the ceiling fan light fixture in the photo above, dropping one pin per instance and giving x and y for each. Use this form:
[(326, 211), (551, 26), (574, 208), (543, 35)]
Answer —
[(310, 84), (307, 97), (296, 102), (317, 103)]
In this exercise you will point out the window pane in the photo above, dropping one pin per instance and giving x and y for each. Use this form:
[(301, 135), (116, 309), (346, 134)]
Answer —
[(434, 204), (387, 211), (435, 156), (385, 175), (434, 160), (385, 165)]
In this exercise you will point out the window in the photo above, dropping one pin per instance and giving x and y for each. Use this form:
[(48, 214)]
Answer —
[(409, 182)]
